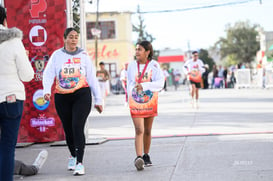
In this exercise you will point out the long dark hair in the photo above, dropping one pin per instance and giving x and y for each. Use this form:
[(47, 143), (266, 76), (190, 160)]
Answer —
[(3, 15), (147, 46)]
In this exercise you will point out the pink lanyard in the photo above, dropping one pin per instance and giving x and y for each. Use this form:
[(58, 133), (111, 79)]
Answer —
[(142, 74)]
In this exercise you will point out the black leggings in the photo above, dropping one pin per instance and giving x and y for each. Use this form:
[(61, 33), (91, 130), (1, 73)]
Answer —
[(73, 110)]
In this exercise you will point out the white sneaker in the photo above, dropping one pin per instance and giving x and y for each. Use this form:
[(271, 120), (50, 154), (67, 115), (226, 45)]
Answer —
[(71, 163), (192, 103), (197, 104), (40, 159), (79, 170)]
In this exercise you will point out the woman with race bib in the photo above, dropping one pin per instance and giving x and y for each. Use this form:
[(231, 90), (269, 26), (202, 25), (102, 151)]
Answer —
[(144, 80), (75, 82), (194, 68)]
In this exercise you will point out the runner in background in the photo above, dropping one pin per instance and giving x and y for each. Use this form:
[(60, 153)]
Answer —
[(166, 75), (194, 68)]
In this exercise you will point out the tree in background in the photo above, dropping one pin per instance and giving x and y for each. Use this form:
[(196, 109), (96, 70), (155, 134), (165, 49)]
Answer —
[(140, 29), (204, 56), (240, 44)]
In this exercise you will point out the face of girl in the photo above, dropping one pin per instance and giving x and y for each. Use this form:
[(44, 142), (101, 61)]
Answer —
[(141, 54), (71, 41)]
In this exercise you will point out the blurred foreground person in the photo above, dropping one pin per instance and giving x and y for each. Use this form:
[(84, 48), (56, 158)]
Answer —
[(14, 68)]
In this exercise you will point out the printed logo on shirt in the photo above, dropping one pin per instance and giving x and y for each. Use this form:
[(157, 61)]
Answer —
[(70, 74), (76, 60), (142, 96), (147, 77), (71, 77)]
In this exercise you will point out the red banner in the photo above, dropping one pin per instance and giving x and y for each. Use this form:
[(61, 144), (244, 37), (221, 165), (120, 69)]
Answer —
[(43, 23)]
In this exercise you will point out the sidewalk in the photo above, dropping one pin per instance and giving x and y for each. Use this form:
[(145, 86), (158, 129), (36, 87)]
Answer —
[(229, 138)]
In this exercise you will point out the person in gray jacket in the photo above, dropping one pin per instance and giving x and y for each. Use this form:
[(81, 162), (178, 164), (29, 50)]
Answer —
[(14, 68)]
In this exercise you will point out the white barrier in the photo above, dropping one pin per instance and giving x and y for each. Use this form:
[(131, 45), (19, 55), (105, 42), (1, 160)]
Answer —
[(243, 78), (268, 78), (257, 78)]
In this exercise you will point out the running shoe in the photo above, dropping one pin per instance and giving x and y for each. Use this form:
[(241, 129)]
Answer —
[(71, 163), (79, 170), (147, 160), (139, 163), (40, 159)]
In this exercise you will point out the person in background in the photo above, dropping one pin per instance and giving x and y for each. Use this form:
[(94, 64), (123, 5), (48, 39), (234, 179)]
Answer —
[(20, 168), (225, 73), (194, 68), (177, 77), (123, 79), (75, 78), (214, 75), (205, 76), (166, 75), (145, 78), (15, 68), (103, 76), (221, 76)]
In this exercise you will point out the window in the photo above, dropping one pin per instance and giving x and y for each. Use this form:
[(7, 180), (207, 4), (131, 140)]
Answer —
[(112, 68), (108, 30)]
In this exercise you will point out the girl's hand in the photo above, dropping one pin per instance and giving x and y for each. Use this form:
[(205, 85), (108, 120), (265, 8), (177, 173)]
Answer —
[(99, 108), (47, 97), (139, 87)]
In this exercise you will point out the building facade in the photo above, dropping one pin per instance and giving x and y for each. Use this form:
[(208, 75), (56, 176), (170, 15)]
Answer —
[(115, 44)]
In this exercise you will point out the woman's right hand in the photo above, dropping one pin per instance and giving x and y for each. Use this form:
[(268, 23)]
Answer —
[(47, 97), (99, 108)]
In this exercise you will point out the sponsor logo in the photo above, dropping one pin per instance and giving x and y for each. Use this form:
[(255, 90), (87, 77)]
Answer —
[(38, 35), (37, 7), (38, 100), (42, 122)]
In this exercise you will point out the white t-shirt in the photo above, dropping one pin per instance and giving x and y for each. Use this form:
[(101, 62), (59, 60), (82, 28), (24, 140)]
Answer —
[(191, 65), (152, 80)]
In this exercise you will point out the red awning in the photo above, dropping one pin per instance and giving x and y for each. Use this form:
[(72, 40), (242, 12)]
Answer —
[(168, 59)]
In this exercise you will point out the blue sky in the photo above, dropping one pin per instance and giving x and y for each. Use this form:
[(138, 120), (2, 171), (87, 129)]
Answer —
[(201, 28)]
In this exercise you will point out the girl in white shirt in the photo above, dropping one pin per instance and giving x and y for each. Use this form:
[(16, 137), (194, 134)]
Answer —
[(144, 80)]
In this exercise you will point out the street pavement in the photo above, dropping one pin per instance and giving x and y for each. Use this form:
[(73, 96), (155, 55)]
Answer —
[(228, 138)]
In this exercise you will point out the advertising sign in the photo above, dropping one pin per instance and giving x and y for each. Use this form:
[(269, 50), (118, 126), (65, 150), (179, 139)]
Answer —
[(43, 23)]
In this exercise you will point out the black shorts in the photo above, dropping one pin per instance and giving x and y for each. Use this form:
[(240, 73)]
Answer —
[(197, 84)]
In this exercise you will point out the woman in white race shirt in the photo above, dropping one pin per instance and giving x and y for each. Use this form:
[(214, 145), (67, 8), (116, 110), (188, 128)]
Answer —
[(76, 81), (144, 80)]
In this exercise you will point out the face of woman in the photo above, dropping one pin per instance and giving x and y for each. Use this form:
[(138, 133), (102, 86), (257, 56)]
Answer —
[(71, 41), (141, 54)]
